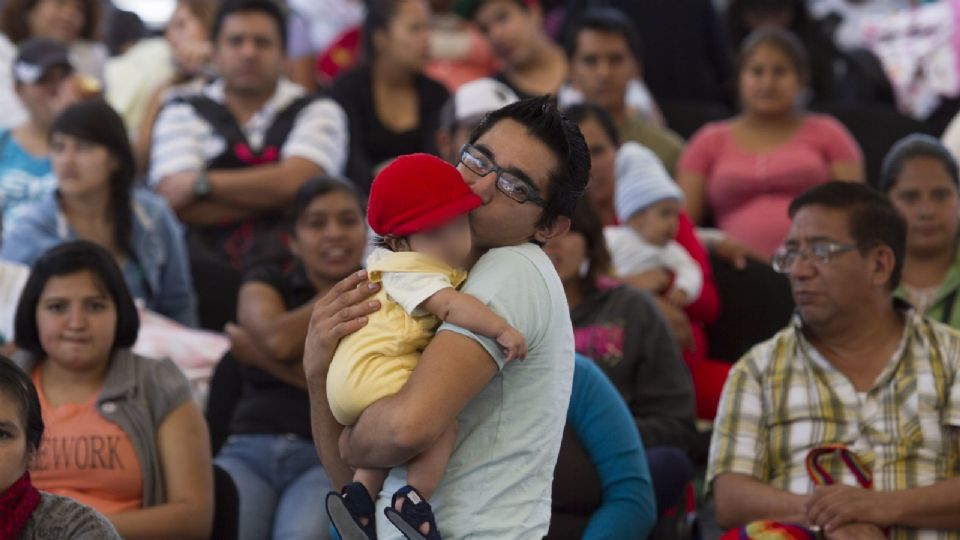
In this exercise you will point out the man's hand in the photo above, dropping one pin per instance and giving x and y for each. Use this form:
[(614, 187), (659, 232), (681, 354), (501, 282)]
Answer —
[(177, 189), (340, 312), (832, 507), (857, 531)]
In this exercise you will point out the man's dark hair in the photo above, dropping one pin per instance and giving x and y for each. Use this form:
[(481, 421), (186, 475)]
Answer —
[(543, 120), (16, 386), (914, 146), (468, 8), (63, 260), (267, 7), (320, 186), (581, 112), (606, 20), (784, 41), (873, 221)]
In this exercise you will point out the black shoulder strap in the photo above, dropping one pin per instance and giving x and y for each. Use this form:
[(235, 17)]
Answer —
[(284, 121), (217, 115)]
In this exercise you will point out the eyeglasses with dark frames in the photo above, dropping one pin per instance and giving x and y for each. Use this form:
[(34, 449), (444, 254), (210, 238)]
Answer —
[(509, 184)]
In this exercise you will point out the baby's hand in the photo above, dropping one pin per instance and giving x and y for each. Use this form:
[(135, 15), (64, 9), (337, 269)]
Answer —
[(513, 344), (677, 297)]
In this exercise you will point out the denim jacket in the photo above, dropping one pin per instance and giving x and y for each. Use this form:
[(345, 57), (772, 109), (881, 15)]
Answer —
[(161, 274)]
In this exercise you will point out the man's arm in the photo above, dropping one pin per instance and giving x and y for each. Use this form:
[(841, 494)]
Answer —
[(453, 369), (263, 187), (740, 499), (207, 212), (339, 313)]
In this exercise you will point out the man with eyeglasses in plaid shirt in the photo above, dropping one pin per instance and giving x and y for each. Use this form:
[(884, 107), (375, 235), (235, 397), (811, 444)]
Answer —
[(855, 368)]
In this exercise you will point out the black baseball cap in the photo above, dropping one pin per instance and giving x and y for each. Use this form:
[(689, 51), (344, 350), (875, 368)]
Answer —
[(36, 57)]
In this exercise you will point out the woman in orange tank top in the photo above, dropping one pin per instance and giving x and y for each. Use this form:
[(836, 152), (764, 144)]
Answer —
[(123, 434)]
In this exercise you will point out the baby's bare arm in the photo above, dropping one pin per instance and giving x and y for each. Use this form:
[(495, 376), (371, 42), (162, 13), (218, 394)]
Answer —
[(461, 309)]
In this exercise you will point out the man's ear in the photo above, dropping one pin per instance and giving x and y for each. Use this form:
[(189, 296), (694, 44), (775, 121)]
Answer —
[(559, 227), (883, 263)]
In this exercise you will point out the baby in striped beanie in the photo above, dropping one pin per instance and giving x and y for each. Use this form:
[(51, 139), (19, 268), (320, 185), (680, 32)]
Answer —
[(647, 202)]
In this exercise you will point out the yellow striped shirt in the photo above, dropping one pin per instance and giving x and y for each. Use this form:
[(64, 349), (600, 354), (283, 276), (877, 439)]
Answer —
[(784, 398)]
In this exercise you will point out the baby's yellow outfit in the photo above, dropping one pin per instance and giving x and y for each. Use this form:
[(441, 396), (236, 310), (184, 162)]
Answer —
[(377, 360)]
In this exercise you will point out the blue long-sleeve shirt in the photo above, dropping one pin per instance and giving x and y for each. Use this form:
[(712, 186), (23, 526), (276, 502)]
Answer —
[(604, 426), (160, 276)]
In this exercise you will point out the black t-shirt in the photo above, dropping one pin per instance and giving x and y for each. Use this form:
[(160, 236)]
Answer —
[(502, 77), (371, 143), (267, 404)]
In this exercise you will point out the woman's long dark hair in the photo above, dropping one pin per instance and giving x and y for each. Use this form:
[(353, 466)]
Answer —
[(586, 222), (95, 121)]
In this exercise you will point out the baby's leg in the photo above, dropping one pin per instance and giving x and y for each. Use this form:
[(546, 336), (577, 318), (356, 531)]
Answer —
[(425, 471), (372, 479)]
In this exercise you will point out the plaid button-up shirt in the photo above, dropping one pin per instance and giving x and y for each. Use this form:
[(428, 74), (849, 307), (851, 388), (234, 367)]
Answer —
[(784, 398)]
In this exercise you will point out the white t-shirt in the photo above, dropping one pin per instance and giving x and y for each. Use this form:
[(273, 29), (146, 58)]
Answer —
[(632, 254), (183, 141), (499, 480)]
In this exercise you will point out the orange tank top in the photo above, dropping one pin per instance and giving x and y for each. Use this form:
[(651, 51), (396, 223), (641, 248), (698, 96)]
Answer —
[(86, 457)]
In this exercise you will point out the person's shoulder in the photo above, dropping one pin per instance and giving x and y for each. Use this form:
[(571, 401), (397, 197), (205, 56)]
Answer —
[(158, 376), (351, 83), (819, 123), (941, 335), (150, 201), (38, 214), (629, 298), (434, 89), (267, 274), (512, 259), (777, 352), (62, 517)]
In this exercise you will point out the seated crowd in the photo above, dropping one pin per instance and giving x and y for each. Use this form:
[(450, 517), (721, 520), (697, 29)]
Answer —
[(510, 331)]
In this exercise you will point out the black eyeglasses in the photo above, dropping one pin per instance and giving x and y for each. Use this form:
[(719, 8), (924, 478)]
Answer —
[(508, 183), (819, 253)]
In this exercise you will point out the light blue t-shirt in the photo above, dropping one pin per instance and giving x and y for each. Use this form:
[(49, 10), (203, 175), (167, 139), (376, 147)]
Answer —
[(498, 483), (24, 178)]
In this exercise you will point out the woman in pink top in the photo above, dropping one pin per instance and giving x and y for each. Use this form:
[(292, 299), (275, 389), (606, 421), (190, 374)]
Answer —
[(746, 170)]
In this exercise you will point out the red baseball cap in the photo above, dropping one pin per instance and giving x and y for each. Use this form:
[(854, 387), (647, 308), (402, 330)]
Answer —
[(416, 193)]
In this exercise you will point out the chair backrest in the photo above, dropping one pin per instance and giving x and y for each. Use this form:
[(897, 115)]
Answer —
[(756, 304), (226, 506)]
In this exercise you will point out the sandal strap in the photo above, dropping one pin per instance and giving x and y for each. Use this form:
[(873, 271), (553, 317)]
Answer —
[(358, 501), (415, 510)]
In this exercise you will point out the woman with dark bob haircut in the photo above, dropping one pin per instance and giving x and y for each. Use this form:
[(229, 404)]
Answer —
[(130, 442), (96, 200), (25, 512)]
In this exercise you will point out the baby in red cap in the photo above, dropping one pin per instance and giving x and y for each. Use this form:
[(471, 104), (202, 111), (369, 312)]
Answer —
[(419, 206)]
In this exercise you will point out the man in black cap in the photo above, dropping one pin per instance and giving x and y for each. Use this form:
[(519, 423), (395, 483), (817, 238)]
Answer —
[(43, 80)]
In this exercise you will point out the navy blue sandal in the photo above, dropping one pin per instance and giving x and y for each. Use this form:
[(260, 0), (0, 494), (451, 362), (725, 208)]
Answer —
[(348, 507), (412, 515)]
